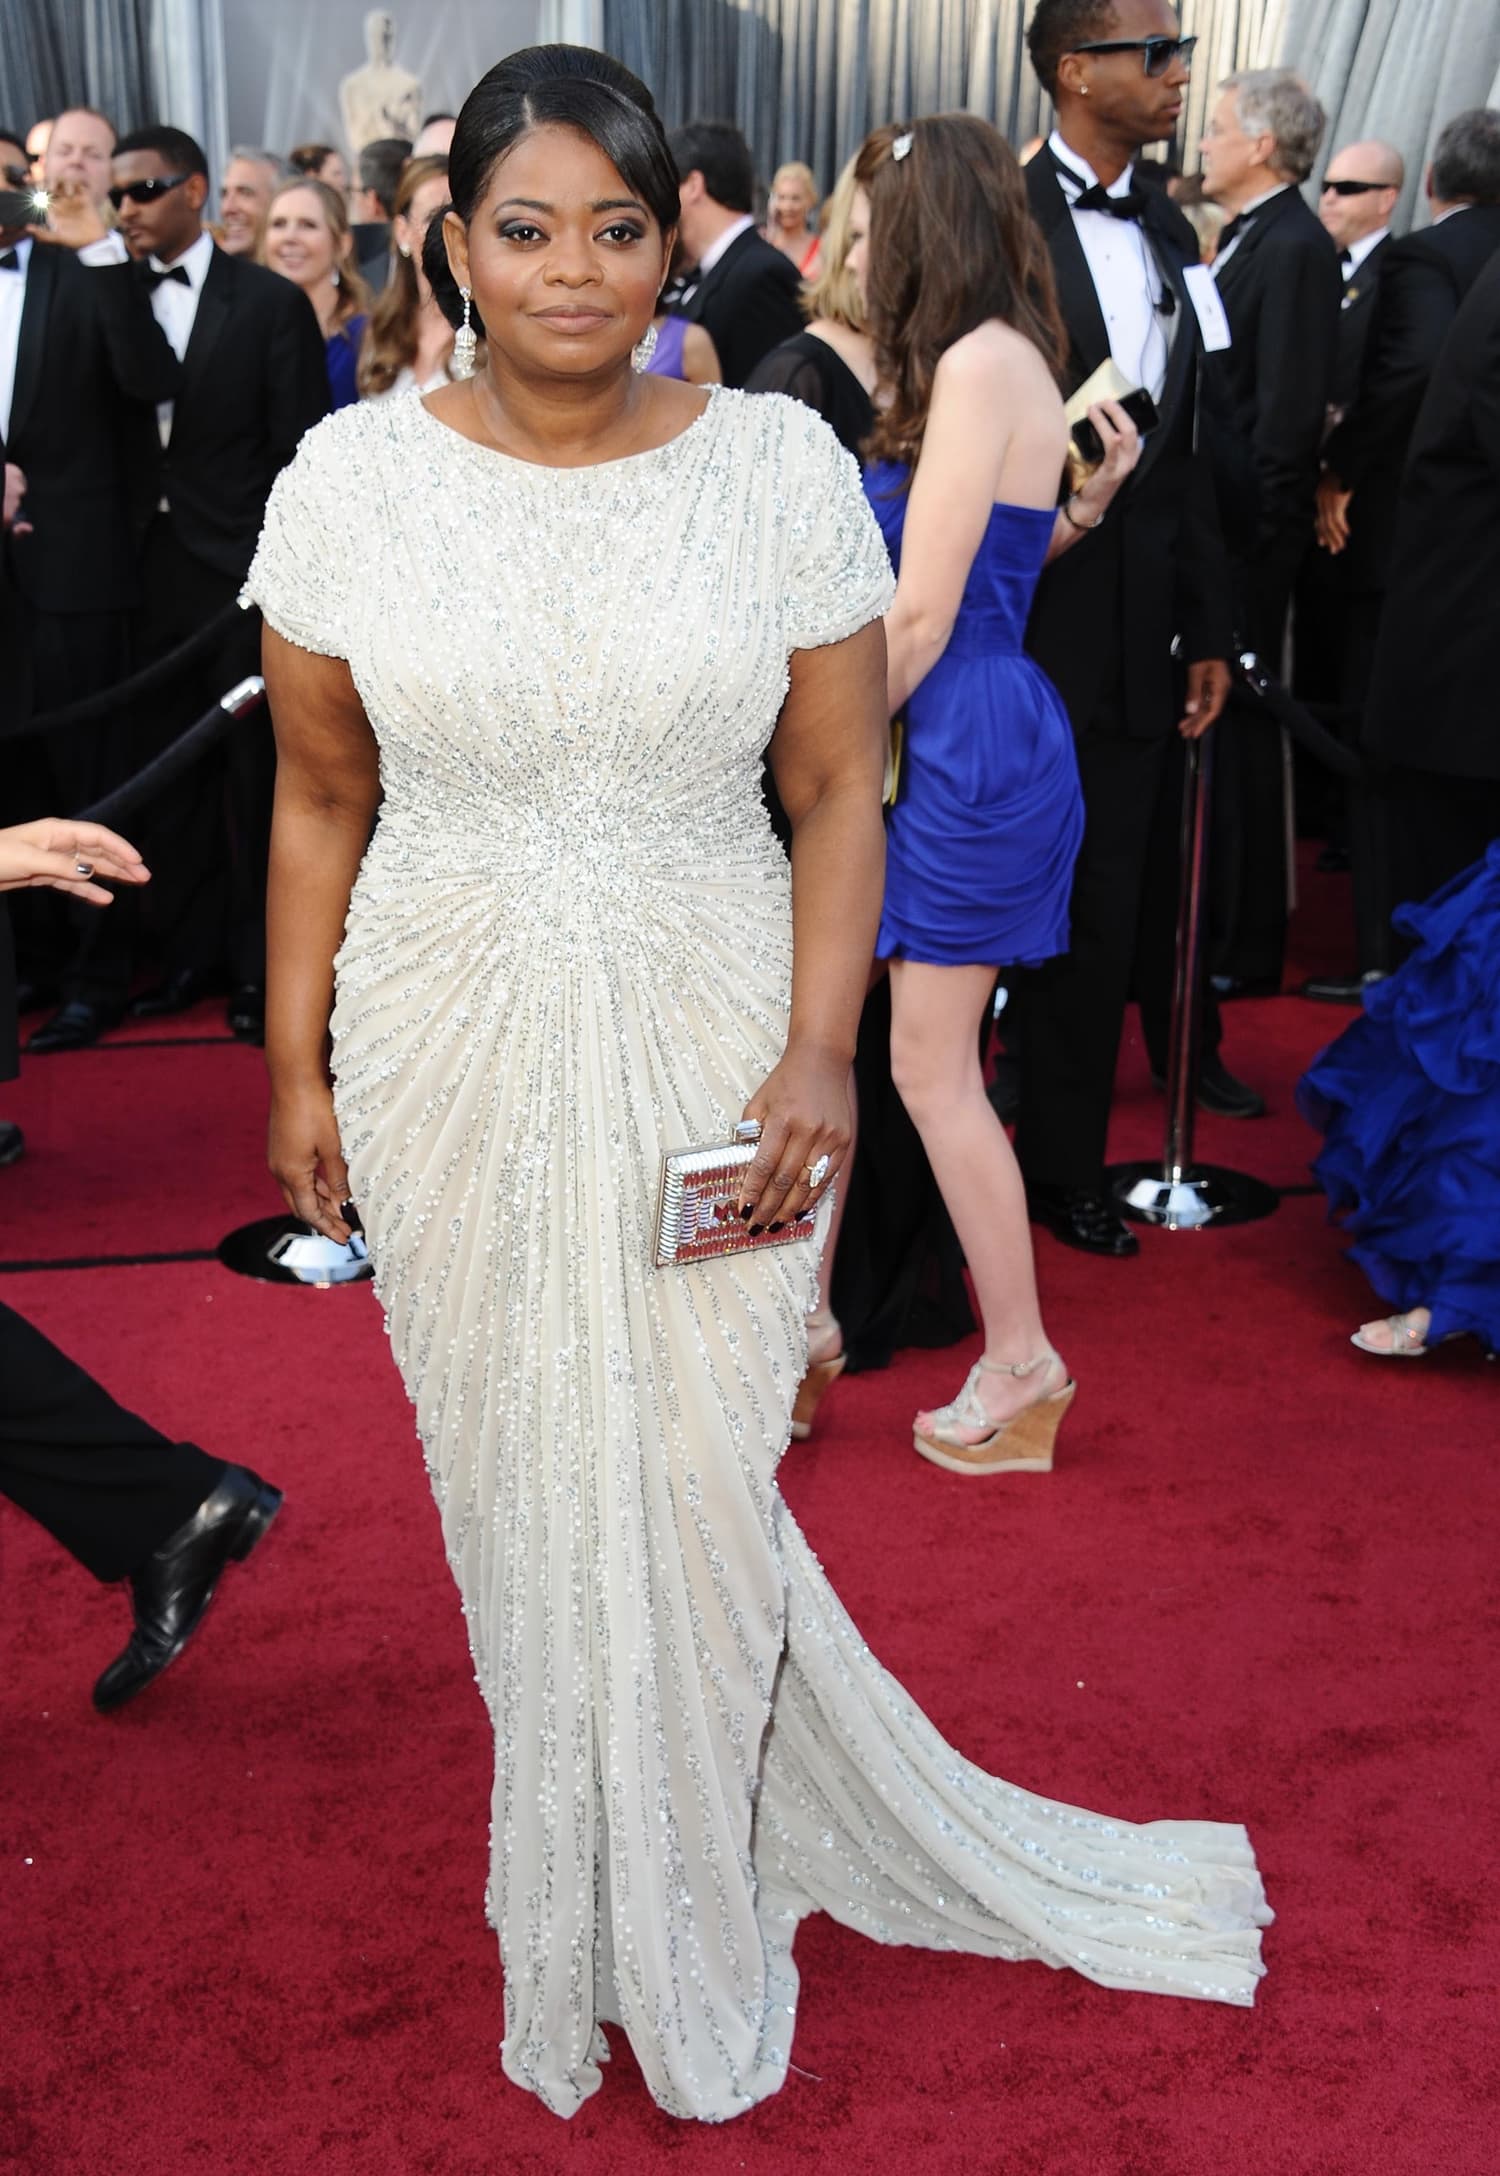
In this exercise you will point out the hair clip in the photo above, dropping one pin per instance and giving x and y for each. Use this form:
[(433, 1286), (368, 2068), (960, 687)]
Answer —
[(901, 146)]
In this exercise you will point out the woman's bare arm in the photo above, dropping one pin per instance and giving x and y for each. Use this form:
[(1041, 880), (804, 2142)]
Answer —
[(327, 792), (828, 759)]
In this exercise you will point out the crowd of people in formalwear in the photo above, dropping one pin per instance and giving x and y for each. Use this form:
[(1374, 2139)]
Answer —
[(1318, 482)]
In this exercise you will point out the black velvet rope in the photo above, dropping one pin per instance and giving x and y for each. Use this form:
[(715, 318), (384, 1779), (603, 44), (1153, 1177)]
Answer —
[(162, 769), (1324, 747), (151, 677)]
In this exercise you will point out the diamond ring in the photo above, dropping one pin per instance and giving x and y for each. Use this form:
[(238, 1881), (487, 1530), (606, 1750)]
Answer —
[(816, 1173)]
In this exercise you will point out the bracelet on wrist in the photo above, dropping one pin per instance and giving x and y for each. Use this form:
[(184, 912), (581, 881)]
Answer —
[(1071, 518)]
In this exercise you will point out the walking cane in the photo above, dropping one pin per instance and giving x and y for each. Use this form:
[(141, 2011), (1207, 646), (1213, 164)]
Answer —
[(1175, 1193)]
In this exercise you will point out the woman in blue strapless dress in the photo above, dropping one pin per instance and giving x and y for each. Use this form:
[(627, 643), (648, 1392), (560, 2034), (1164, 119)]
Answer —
[(1408, 1101), (967, 459)]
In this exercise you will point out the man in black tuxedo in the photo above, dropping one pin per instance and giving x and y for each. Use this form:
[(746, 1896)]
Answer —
[(1361, 187), (1107, 613), (746, 295), (1423, 280), (252, 380), (1277, 273), (120, 1497), (84, 366), (1334, 626), (1432, 723)]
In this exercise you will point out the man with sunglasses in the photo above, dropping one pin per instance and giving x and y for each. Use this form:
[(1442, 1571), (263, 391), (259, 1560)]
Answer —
[(1106, 615), (251, 381), (81, 368), (1361, 188)]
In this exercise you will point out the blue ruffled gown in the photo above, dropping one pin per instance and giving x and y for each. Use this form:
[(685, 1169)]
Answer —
[(1408, 1100), (981, 843)]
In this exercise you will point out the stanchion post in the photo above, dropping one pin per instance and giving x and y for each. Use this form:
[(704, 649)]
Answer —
[(1177, 1193)]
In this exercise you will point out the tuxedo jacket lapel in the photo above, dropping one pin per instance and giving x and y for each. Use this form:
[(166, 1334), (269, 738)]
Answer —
[(31, 344), (1088, 337), (209, 321), (1181, 380)]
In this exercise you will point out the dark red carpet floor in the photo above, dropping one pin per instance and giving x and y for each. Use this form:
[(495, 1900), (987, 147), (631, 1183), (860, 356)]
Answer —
[(240, 1924)]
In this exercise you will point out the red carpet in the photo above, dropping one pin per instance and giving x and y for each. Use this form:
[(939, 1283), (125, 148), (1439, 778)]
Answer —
[(242, 1921)]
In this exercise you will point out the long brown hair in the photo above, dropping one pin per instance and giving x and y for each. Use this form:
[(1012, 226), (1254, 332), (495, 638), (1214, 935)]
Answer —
[(353, 295), (952, 243), (390, 344)]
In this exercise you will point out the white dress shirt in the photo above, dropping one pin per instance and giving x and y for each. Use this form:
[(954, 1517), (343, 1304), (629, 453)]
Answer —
[(1127, 278), (715, 250), (12, 303), (1357, 252), (175, 307)]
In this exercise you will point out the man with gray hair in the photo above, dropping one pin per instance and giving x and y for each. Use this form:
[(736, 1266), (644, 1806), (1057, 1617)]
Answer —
[(1277, 272), (245, 197)]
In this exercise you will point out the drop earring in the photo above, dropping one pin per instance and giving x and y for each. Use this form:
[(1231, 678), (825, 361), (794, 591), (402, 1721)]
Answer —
[(644, 349), (465, 341)]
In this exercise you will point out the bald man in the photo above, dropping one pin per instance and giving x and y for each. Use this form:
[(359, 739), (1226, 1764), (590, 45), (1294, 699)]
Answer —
[(1360, 190), (79, 149)]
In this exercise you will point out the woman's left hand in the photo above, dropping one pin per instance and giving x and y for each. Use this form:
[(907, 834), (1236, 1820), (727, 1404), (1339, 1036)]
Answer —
[(63, 856), (803, 1112)]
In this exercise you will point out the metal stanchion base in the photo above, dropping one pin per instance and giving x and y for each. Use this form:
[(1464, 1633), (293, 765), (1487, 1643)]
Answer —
[(1202, 1195), (284, 1250)]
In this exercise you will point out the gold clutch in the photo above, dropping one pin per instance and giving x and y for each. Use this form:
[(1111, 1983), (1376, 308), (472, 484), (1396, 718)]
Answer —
[(697, 1215)]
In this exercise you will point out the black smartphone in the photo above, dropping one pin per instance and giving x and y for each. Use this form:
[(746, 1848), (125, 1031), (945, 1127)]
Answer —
[(1140, 408), (19, 208)]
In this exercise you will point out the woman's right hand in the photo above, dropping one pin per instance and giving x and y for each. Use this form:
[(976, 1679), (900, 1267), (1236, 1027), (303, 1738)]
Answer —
[(1122, 449), (306, 1159)]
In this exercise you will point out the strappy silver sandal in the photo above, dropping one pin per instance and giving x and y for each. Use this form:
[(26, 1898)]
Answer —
[(1407, 1342)]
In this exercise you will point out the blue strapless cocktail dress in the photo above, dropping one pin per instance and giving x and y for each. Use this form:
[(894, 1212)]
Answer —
[(982, 840)]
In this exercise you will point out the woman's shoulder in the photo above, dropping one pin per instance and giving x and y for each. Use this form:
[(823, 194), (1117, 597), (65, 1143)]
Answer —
[(991, 354), (352, 443)]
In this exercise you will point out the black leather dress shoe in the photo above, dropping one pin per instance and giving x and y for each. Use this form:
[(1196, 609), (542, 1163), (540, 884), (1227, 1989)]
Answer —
[(175, 1585), (75, 1024), (247, 1013), (1220, 1091), (1340, 989), (12, 1143), (1082, 1217), (180, 992)]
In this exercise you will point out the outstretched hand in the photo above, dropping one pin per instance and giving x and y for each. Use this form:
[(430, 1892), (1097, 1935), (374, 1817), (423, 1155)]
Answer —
[(59, 855)]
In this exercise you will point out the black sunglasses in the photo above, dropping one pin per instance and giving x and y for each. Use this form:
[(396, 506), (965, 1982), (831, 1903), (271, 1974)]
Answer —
[(1354, 188), (1158, 54), (145, 192)]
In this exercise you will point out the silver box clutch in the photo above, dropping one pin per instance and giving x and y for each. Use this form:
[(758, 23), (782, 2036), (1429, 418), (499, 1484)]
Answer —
[(697, 1217)]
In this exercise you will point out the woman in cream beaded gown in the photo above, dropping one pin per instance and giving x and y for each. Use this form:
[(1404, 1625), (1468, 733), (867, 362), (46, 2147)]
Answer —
[(569, 604)]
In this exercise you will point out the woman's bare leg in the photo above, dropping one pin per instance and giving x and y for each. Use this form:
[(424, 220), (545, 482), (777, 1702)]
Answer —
[(935, 1019)]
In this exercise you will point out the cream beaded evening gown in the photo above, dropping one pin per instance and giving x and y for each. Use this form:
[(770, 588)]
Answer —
[(569, 949)]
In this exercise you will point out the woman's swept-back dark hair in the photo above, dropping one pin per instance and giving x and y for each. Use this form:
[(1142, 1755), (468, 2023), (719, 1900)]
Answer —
[(951, 244), (566, 86)]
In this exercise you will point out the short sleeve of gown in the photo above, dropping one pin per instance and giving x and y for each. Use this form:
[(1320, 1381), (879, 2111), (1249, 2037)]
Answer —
[(838, 572), (300, 573)]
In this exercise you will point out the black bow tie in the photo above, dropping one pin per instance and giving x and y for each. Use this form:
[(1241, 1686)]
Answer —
[(1346, 260), (1240, 224), (153, 278), (10, 262), (1096, 198)]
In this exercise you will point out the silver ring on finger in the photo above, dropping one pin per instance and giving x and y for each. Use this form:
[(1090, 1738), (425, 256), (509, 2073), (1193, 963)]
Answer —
[(83, 868), (815, 1173)]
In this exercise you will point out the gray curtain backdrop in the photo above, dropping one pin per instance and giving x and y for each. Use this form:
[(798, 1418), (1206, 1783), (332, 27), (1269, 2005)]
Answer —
[(57, 52), (807, 79), (1397, 69), (804, 78)]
